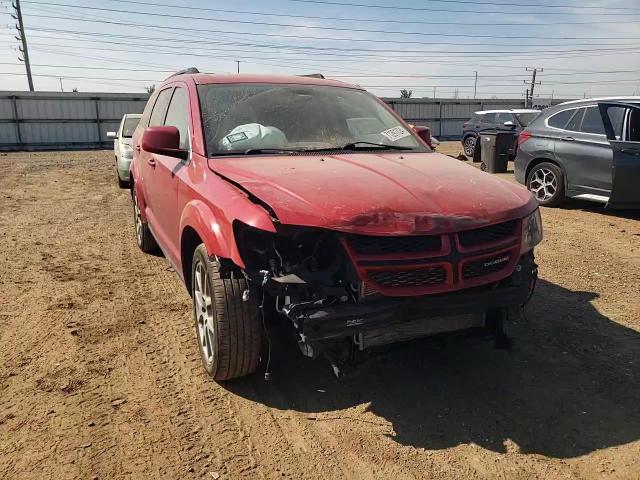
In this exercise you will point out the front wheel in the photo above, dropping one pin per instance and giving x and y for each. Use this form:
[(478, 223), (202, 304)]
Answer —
[(228, 323), (469, 146), (546, 182)]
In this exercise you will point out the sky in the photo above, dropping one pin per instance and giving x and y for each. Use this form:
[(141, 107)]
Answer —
[(432, 47)]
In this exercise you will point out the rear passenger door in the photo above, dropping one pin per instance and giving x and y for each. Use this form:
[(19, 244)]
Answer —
[(147, 160), (625, 168), (503, 117), (167, 174), (487, 122), (582, 149)]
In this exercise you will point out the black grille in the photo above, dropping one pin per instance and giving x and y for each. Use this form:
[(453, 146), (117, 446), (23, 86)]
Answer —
[(486, 266), (488, 234), (409, 278), (378, 245)]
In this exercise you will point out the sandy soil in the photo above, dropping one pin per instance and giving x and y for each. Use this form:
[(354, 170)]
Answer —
[(100, 376)]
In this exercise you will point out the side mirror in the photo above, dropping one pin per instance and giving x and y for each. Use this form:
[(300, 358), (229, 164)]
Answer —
[(163, 141), (112, 135), (509, 124), (424, 133)]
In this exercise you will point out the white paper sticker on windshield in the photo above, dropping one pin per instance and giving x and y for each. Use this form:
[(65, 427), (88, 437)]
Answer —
[(395, 133)]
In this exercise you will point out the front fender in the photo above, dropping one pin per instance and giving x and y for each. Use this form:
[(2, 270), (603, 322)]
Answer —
[(216, 230)]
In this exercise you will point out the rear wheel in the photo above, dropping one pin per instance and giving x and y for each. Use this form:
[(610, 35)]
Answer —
[(228, 327), (122, 183), (144, 237), (546, 182), (469, 146)]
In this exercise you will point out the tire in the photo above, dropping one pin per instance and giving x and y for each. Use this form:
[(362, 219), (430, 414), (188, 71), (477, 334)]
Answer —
[(228, 328), (144, 237), (122, 183), (546, 182), (469, 146)]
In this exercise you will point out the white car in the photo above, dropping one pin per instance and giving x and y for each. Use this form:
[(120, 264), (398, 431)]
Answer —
[(123, 148)]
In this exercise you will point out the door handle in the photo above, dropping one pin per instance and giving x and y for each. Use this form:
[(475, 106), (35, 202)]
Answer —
[(138, 148), (567, 139), (152, 162)]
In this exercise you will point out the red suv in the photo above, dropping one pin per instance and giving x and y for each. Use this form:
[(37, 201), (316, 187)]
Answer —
[(309, 200)]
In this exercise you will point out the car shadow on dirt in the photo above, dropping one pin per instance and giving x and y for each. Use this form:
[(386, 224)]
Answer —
[(570, 386), (586, 206)]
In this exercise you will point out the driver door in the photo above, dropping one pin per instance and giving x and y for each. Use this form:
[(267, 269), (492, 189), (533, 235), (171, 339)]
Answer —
[(625, 169)]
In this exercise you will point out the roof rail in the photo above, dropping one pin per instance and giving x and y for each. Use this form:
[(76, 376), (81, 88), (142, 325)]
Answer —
[(314, 75), (182, 72)]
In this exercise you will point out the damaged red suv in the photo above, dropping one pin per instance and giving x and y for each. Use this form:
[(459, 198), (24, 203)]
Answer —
[(309, 201)]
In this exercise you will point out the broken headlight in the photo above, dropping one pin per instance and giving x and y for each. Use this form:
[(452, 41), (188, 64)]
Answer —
[(531, 231)]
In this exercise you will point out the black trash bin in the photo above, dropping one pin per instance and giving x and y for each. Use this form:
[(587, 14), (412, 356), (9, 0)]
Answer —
[(496, 149)]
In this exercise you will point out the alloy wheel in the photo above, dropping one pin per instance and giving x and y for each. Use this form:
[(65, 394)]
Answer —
[(469, 146), (137, 218), (543, 184), (203, 310)]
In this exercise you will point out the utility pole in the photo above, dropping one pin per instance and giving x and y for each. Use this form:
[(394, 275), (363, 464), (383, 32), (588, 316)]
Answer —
[(475, 86), (238, 62), (61, 89), (434, 91), (23, 38), (534, 71)]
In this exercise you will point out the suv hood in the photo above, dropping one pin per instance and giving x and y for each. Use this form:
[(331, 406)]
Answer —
[(383, 193)]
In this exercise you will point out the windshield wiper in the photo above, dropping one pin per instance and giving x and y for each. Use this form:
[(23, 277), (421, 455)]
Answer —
[(358, 146), (258, 151), (382, 146)]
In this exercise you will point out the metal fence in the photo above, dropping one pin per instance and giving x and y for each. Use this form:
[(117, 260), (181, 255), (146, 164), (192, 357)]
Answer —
[(446, 116), (64, 121), (61, 121)]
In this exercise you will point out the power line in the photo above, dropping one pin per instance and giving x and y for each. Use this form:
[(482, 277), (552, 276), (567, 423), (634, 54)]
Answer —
[(358, 19), (280, 47), (371, 53), (430, 9), (154, 48), (428, 34), (330, 51), (480, 77)]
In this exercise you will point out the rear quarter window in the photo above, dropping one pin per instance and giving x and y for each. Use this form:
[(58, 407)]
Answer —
[(560, 119)]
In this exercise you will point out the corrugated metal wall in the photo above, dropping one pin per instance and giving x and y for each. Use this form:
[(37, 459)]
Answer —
[(445, 117), (56, 120)]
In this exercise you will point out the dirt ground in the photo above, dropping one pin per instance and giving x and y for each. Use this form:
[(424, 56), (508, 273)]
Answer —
[(100, 376)]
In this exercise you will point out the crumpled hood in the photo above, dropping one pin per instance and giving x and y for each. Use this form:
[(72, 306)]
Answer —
[(384, 193)]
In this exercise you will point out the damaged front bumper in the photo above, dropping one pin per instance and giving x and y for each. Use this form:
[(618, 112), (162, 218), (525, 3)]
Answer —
[(414, 316)]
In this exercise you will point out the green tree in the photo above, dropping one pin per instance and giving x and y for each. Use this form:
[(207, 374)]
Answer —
[(406, 93)]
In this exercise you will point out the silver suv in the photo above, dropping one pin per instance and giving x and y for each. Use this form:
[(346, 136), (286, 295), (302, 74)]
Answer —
[(588, 149)]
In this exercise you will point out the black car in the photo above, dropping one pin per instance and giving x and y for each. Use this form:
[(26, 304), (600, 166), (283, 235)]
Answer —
[(586, 149), (515, 119)]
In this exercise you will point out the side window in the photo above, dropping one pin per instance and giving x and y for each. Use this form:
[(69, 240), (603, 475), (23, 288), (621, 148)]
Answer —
[(616, 115), (504, 117), (592, 121), (489, 118), (560, 120), (576, 120), (178, 115), (160, 108), (633, 130)]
